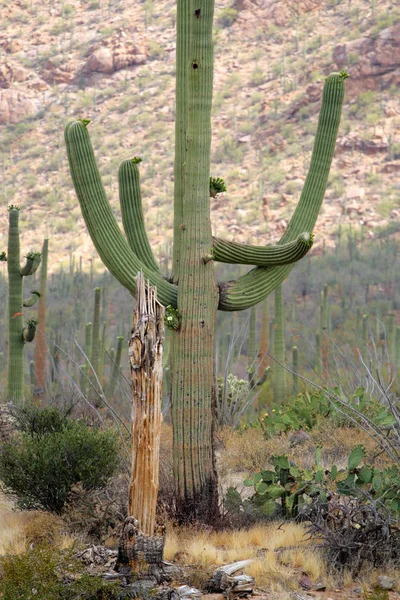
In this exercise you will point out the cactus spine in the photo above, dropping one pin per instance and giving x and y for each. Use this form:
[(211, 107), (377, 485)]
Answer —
[(18, 332), (193, 291)]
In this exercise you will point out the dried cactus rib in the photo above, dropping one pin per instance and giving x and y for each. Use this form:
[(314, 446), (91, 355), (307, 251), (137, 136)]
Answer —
[(132, 212), (262, 256), (111, 245), (261, 281)]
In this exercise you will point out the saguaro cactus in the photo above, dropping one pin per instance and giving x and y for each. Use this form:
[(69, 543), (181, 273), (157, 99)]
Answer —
[(193, 293), (40, 343), (279, 349), (18, 332)]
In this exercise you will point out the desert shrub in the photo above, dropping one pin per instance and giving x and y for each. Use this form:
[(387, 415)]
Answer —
[(227, 16), (37, 421), (40, 465), (353, 534), (41, 574)]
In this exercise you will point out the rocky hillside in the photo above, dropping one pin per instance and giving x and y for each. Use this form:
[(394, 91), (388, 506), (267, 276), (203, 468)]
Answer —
[(113, 62)]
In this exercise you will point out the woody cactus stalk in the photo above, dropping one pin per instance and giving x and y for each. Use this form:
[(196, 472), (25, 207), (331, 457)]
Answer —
[(18, 332), (193, 292)]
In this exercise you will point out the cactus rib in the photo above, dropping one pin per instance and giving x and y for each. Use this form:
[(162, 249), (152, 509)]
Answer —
[(262, 256), (111, 245), (255, 285), (132, 212)]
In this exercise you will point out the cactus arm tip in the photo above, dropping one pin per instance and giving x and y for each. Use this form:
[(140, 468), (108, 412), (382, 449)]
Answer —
[(33, 298), (28, 332), (85, 122), (32, 264), (217, 186)]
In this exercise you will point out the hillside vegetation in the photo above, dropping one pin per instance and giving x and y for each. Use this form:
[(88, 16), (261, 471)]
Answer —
[(113, 62)]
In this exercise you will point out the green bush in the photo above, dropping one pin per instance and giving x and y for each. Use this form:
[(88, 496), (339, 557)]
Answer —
[(50, 455), (227, 16), (41, 574)]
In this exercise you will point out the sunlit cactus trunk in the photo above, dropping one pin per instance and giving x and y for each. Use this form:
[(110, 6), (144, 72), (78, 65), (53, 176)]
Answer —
[(18, 332), (193, 375)]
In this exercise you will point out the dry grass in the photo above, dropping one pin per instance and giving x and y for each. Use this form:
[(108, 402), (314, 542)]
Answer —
[(20, 529), (248, 451), (277, 570)]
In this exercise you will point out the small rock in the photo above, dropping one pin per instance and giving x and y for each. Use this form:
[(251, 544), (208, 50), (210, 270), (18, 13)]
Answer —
[(320, 587), (384, 582), (358, 590)]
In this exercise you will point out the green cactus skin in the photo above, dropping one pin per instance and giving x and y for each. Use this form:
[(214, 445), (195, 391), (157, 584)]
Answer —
[(295, 363), (18, 333), (263, 256), (318, 358), (193, 290), (324, 324), (132, 213), (95, 350), (116, 369), (261, 281), (364, 329), (279, 349), (111, 245)]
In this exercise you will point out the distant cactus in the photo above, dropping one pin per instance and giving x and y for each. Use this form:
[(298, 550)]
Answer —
[(279, 349), (40, 343), (18, 332)]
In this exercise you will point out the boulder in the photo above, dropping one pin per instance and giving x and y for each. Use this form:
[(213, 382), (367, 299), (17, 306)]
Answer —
[(119, 52), (371, 62), (16, 105)]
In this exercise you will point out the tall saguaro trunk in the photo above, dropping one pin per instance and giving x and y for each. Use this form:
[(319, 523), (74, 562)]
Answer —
[(193, 381), (40, 343), (18, 332)]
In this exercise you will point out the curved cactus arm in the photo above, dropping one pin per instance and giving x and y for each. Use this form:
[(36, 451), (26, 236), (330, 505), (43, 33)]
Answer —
[(262, 256), (28, 332), (32, 264), (255, 285), (107, 237), (33, 298), (3, 257), (132, 212)]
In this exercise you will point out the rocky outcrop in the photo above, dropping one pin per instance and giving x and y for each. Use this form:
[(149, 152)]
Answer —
[(371, 63), (16, 105), (13, 73), (281, 12), (55, 71), (114, 54)]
